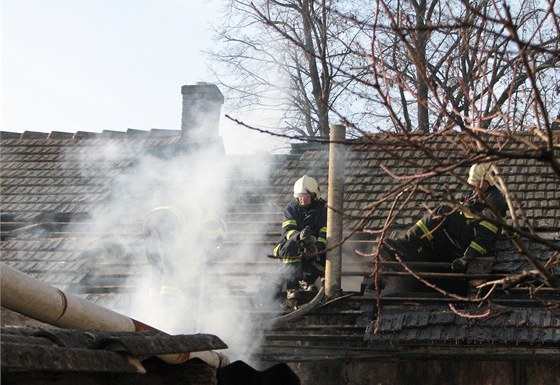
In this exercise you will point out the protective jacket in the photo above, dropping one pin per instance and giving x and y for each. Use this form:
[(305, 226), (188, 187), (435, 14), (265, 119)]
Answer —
[(482, 233), (462, 234), (296, 218)]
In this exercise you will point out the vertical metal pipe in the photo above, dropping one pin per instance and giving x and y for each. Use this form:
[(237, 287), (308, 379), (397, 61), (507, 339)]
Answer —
[(335, 199)]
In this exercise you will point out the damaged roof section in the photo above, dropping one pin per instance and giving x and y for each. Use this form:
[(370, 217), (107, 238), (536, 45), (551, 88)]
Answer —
[(67, 350), (55, 188)]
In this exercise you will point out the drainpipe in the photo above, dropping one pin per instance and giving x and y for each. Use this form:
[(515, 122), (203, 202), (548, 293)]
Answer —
[(33, 298), (335, 199)]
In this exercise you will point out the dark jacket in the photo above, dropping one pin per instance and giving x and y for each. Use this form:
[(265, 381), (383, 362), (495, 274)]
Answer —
[(483, 232), (296, 218)]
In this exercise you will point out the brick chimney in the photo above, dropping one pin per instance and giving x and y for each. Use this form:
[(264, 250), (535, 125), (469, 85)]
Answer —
[(200, 119)]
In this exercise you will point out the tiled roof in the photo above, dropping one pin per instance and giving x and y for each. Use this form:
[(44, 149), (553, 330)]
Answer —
[(44, 177), (532, 181), (50, 181), (53, 186), (67, 351), (368, 180), (434, 325)]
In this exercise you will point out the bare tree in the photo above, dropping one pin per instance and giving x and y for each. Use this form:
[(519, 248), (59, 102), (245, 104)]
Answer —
[(287, 55), (449, 61), (481, 75)]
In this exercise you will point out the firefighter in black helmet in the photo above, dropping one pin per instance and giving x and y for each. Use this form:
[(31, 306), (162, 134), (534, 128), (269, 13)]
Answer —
[(451, 235), (304, 239)]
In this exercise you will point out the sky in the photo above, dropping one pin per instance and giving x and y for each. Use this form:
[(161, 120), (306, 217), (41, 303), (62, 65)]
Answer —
[(94, 65)]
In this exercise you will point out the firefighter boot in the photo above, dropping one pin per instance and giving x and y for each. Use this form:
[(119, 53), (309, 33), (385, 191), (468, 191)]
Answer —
[(291, 301)]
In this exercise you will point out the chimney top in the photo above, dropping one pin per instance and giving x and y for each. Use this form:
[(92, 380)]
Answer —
[(202, 104), (203, 90)]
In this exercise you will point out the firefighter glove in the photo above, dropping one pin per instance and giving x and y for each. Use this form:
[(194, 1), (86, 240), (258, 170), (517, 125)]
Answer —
[(310, 251), (307, 236), (460, 265)]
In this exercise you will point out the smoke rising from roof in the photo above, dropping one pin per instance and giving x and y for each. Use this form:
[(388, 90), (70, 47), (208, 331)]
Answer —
[(182, 283)]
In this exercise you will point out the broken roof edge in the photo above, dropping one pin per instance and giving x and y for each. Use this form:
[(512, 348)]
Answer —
[(33, 349)]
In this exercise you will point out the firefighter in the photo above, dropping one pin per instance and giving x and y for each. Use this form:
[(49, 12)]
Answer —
[(163, 229), (455, 235), (170, 234), (304, 240)]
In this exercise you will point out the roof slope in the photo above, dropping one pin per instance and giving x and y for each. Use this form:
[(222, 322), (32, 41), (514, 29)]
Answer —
[(74, 205), (436, 325), (60, 222), (433, 168)]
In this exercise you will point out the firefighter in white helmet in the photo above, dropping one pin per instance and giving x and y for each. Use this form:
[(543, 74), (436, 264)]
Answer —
[(456, 236), (304, 239)]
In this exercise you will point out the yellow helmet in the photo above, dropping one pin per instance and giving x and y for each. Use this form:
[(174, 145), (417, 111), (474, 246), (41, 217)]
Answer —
[(306, 185), (479, 172)]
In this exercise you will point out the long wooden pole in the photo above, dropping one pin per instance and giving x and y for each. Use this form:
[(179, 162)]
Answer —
[(335, 199)]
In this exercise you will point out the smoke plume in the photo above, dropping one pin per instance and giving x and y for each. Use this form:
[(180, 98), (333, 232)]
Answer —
[(184, 279)]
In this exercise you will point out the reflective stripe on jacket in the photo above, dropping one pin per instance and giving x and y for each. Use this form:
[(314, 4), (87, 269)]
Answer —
[(484, 232), (296, 218)]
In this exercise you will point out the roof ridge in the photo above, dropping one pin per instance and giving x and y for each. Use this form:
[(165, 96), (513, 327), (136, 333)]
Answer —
[(63, 135)]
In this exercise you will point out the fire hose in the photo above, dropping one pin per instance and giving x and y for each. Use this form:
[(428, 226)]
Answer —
[(301, 311)]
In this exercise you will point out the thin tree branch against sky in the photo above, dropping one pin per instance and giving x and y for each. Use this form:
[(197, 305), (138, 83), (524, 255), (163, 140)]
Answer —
[(94, 65)]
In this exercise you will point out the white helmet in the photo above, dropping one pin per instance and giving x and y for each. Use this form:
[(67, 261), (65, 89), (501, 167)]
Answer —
[(306, 185), (479, 172)]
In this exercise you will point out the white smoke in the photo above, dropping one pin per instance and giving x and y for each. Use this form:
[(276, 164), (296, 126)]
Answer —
[(213, 296)]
